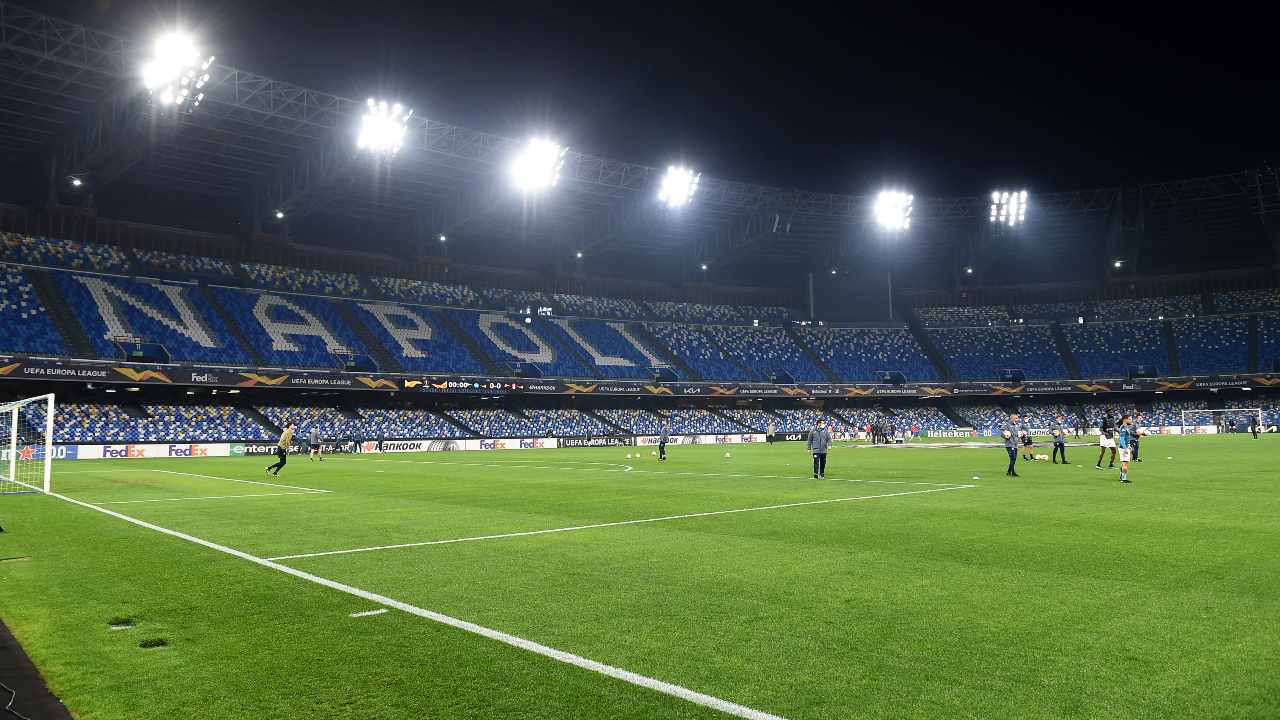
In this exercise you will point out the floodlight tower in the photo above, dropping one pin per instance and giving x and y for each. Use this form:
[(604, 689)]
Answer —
[(678, 186), (383, 127), (537, 166), (176, 72), (891, 212)]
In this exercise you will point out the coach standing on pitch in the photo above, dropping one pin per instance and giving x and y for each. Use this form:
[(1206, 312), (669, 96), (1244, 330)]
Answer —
[(819, 443), (1010, 434)]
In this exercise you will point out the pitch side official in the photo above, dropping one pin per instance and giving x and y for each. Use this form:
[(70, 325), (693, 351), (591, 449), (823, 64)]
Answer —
[(819, 443)]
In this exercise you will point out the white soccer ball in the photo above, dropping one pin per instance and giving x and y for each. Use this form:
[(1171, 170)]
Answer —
[(1144, 431), (653, 452), (727, 455), (628, 456), (1006, 434)]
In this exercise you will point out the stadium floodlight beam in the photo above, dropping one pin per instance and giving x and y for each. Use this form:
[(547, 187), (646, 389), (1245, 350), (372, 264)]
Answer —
[(579, 254), (443, 238), (176, 74), (892, 210), (383, 127), (537, 166), (678, 186), (76, 182), (1008, 208), (704, 266)]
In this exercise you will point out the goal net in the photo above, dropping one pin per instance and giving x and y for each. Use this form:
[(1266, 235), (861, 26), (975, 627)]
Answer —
[(1220, 421), (26, 453)]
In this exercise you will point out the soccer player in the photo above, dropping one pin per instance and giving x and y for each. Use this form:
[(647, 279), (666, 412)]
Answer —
[(282, 450), (1010, 434), (1107, 440), (1136, 439), (316, 450), (769, 433), (1059, 441), (1028, 441), (663, 439), (1124, 437), (819, 443)]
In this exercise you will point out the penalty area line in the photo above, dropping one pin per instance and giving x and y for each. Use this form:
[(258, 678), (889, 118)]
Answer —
[(206, 497), (247, 482), (568, 658), (619, 523)]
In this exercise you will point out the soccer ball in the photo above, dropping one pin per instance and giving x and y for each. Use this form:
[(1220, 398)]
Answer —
[(1144, 431), (628, 456), (1042, 457), (727, 455), (1006, 434), (653, 452)]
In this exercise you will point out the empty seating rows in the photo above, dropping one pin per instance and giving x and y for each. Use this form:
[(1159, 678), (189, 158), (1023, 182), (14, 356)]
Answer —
[(979, 353), (289, 279), (510, 340), (751, 419), (330, 423), (802, 420), (614, 350), (1150, 308), (496, 422), (696, 421), (1209, 345), (1169, 413), (762, 350), (957, 316), (290, 330), (104, 423), (1060, 311), (633, 420), (924, 417), (984, 417), (599, 307), (1247, 300), (26, 323), (697, 350), (1107, 350), (1269, 341), (405, 424), (167, 263), (61, 253), (426, 292), (858, 354)]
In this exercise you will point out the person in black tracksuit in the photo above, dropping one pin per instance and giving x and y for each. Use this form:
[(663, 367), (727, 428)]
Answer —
[(662, 443), (1135, 440), (1010, 434), (1059, 441), (819, 443)]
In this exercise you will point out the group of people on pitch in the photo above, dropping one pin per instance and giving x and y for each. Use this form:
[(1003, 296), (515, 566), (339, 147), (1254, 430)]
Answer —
[(1123, 439)]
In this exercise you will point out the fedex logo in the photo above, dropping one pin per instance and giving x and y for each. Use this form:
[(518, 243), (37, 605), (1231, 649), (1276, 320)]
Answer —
[(723, 439), (123, 451), (531, 444), (493, 444), (188, 451)]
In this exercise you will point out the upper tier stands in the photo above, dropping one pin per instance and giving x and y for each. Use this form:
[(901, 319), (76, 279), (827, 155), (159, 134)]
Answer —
[(289, 279), (1173, 306), (614, 350), (26, 324), (414, 336), (510, 340), (858, 354), (1247, 300), (1209, 345), (496, 422), (765, 349), (426, 292), (698, 351), (599, 307), (984, 417), (171, 264), (975, 316), (61, 253), (173, 314), (1105, 350), (503, 298), (290, 330), (1060, 311), (978, 353)]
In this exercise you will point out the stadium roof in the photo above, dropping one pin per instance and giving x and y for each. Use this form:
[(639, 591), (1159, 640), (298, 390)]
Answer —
[(70, 100)]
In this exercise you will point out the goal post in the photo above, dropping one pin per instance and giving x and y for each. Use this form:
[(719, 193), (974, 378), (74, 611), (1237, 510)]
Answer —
[(26, 445), (1219, 420)]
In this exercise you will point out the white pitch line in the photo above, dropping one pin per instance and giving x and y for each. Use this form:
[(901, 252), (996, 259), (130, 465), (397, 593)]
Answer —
[(594, 526), (662, 472), (247, 482), (644, 681), (369, 613), (207, 497)]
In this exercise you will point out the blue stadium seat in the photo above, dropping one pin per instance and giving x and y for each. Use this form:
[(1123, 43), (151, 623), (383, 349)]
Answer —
[(613, 355), (26, 323), (857, 354), (293, 330), (414, 336), (765, 349), (1208, 345), (405, 424), (1107, 349), (978, 353), (508, 339), (697, 351)]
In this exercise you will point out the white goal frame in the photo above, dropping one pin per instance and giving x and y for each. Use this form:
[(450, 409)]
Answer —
[(10, 416), (1218, 412)]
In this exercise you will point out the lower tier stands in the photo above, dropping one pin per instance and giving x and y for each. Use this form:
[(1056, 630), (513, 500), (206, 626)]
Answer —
[(181, 265), (980, 353), (1269, 342), (751, 419), (331, 424), (860, 354), (1164, 308), (426, 292), (406, 424), (634, 421), (26, 324), (789, 420), (924, 418), (698, 421), (102, 423)]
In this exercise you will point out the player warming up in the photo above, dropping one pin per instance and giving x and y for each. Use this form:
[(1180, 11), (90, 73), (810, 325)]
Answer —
[(1059, 441), (1028, 441), (317, 452), (1124, 439), (282, 450), (1107, 440), (662, 443), (819, 443), (1010, 435)]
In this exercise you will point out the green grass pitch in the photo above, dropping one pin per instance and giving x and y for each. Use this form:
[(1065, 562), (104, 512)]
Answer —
[(1060, 594)]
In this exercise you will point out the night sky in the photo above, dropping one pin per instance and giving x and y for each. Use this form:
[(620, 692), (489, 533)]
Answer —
[(944, 101)]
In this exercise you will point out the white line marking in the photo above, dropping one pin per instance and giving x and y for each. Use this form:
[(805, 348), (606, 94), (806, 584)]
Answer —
[(660, 472), (594, 526), (369, 613), (568, 658), (206, 497), (248, 482)]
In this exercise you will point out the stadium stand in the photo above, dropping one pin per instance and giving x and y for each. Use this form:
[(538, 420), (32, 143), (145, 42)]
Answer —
[(639, 422), (765, 349), (290, 330), (1151, 308), (1247, 300), (1059, 311), (789, 420), (561, 423), (1268, 341), (1271, 410), (612, 354), (27, 327), (506, 299), (77, 422), (1043, 415), (415, 338), (697, 351), (695, 421), (858, 354), (699, 313), (275, 277), (499, 423), (172, 314), (978, 353), (924, 417), (331, 423), (1107, 349), (62, 253), (405, 424), (171, 264), (426, 292), (1209, 345), (510, 340), (984, 417), (751, 418), (599, 307), (1168, 413), (954, 316)]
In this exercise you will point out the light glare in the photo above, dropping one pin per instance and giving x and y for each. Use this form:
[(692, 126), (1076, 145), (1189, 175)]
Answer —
[(893, 209), (1008, 208), (678, 186), (537, 166), (383, 127), (175, 71)]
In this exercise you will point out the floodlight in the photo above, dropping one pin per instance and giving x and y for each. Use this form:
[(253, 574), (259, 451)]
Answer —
[(579, 254), (1117, 264), (383, 127), (175, 74), (704, 266), (833, 271), (443, 238), (893, 209), (678, 186), (537, 167), (279, 214), (76, 182), (968, 271), (1008, 208)]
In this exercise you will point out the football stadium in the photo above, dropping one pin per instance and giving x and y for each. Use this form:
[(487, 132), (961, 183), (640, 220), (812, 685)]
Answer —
[(322, 406)]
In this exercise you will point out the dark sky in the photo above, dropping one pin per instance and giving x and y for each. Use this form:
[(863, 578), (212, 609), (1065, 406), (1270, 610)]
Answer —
[(945, 101)]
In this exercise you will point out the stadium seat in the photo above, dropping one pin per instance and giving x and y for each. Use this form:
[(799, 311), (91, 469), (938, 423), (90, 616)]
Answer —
[(697, 351), (859, 354), (968, 316), (26, 323), (290, 330), (509, 339), (49, 252), (1108, 349), (427, 293), (287, 279), (1208, 345), (167, 264), (415, 338), (765, 349), (405, 424), (979, 353)]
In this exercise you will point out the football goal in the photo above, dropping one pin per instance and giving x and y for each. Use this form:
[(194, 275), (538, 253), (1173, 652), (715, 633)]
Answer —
[(26, 455), (1220, 421)]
